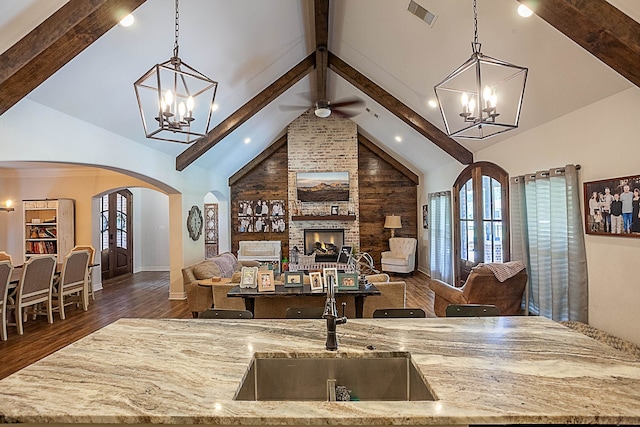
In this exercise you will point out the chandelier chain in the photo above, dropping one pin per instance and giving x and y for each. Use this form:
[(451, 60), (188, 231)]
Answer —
[(177, 32), (475, 22)]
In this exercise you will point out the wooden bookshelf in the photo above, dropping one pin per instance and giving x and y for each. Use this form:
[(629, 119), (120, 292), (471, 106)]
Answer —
[(48, 228)]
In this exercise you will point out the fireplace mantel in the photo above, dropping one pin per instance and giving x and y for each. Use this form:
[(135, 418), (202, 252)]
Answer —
[(323, 218)]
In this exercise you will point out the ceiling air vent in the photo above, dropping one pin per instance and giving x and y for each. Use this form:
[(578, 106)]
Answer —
[(422, 13)]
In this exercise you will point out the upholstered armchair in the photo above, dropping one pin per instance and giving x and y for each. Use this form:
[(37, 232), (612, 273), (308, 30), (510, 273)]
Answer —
[(483, 287), (401, 256)]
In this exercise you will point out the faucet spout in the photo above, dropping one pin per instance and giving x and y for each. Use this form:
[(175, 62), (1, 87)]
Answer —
[(331, 314)]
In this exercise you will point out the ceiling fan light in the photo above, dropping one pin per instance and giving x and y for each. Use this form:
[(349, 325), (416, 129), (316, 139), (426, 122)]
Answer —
[(322, 112)]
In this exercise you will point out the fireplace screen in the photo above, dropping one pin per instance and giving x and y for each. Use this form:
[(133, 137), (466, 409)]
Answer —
[(324, 243)]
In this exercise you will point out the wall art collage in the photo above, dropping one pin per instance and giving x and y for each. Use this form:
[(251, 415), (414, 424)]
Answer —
[(261, 216)]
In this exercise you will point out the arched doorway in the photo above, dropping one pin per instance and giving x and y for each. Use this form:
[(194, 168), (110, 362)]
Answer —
[(116, 237)]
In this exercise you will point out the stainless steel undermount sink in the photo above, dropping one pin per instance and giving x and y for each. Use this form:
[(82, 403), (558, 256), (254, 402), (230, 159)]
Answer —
[(370, 376)]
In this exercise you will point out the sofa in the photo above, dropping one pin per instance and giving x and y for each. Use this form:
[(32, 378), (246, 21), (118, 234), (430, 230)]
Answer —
[(224, 265), (482, 287)]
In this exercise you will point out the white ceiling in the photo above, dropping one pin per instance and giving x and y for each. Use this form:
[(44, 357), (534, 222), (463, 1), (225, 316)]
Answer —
[(245, 45)]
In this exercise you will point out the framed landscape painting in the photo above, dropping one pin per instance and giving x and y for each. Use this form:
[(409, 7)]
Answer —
[(612, 207), (322, 186)]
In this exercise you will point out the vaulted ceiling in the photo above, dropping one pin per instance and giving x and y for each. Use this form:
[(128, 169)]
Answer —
[(270, 54)]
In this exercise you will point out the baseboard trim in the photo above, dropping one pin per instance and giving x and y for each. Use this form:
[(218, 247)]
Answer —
[(177, 295)]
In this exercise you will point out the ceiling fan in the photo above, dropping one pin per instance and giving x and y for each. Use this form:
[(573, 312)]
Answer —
[(324, 108)]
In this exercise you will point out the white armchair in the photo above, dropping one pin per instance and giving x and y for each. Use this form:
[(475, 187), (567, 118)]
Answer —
[(401, 258)]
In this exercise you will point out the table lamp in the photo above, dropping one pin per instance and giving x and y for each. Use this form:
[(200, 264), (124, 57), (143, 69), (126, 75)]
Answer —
[(392, 222)]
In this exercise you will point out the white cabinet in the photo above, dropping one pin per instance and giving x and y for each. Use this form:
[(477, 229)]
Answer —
[(49, 227)]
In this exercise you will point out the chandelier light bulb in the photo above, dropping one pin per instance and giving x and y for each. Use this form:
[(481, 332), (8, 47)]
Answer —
[(493, 101), (486, 95), (168, 98), (472, 105), (190, 105), (182, 109), (464, 99)]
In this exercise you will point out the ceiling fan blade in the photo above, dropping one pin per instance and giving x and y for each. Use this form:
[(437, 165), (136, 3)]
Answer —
[(345, 114), (293, 107), (351, 103)]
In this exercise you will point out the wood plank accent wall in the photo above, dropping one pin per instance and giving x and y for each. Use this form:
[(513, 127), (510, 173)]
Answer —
[(268, 180), (384, 190)]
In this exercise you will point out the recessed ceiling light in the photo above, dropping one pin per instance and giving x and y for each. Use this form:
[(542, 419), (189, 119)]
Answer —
[(433, 103), (398, 138), (214, 107), (247, 140), (127, 21), (524, 11)]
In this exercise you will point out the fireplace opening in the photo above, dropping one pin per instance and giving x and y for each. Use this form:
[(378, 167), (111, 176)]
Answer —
[(325, 243)]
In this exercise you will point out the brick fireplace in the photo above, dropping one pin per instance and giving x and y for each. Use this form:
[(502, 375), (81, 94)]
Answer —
[(323, 145)]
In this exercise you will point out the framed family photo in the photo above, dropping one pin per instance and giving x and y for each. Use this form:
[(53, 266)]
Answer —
[(612, 207), (265, 281), (248, 278), (293, 279), (330, 276), (425, 216), (315, 278), (347, 281)]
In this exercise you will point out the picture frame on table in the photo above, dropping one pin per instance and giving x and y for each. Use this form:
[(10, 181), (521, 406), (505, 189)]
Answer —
[(266, 283), (347, 281), (601, 206), (345, 252), (248, 277), (330, 276), (293, 279), (334, 210), (315, 279)]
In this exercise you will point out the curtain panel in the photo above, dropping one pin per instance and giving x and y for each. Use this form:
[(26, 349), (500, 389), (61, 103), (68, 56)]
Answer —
[(440, 236), (546, 229)]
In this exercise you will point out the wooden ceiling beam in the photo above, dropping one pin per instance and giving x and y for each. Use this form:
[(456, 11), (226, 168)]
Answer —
[(62, 36), (245, 112), (400, 110), (321, 8), (597, 26)]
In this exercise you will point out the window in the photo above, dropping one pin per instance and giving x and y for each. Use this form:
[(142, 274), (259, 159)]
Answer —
[(481, 218)]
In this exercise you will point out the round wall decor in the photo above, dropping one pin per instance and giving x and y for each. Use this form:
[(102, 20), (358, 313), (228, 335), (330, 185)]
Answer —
[(194, 222)]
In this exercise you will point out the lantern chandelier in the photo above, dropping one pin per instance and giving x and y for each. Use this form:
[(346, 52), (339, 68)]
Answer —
[(177, 98), (483, 96)]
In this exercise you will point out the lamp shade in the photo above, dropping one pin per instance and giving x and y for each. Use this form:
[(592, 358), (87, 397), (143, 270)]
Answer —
[(392, 221)]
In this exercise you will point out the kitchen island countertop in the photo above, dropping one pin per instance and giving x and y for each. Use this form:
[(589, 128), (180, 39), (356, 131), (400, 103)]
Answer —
[(501, 370)]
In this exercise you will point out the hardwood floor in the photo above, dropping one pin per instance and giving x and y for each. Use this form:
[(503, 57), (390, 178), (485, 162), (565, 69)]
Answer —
[(142, 295)]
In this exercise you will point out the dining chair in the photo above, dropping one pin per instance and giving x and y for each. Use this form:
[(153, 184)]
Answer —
[(398, 313), (304, 313), (35, 287), (6, 268), (73, 281), (218, 313), (471, 310), (92, 253), (5, 257)]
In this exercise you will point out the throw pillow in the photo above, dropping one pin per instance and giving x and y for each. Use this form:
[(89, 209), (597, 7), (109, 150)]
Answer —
[(227, 263), (206, 270)]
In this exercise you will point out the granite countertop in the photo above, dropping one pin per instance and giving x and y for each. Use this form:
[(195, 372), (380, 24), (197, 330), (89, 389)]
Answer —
[(503, 370)]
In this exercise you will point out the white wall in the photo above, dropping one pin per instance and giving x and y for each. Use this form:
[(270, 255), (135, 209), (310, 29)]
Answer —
[(151, 228), (603, 139), (61, 138)]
